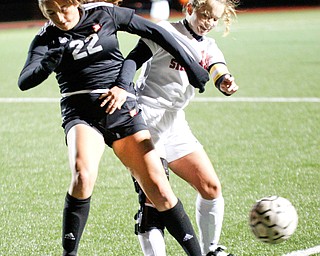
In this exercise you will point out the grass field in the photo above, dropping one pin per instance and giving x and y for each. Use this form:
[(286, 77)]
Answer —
[(258, 148)]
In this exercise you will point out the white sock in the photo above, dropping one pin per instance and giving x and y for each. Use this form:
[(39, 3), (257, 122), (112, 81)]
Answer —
[(209, 217), (152, 243)]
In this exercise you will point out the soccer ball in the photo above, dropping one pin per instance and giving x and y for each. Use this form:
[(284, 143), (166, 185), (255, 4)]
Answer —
[(273, 219)]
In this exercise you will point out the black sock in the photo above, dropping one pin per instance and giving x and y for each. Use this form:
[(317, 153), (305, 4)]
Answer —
[(75, 215), (179, 226)]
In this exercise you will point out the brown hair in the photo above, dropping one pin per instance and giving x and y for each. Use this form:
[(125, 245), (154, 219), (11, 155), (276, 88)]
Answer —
[(115, 2), (76, 2)]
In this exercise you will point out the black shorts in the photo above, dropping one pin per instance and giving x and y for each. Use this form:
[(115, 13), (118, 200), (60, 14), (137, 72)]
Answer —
[(85, 108)]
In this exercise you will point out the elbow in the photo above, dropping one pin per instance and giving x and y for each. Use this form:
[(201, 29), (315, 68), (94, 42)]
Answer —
[(22, 86), (30, 79), (23, 81)]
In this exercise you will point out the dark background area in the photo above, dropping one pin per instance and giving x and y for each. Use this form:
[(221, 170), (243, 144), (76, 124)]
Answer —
[(20, 10)]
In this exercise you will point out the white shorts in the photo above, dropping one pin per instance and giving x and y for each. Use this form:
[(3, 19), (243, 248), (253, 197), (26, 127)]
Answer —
[(170, 132), (160, 10)]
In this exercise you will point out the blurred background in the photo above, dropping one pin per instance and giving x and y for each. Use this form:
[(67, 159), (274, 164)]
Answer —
[(21, 10)]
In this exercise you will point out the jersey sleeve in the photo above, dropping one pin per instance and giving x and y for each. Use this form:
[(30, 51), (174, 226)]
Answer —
[(217, 65), (159, 35), (122, 17), (132, 63), (214, 54), (154, 47), (147, 29), (32, 73)]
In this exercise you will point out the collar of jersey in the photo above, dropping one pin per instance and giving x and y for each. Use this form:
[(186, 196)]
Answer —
[(197, 37)]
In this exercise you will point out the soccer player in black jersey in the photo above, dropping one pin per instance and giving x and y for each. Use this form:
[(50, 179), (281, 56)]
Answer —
[(79, 43)]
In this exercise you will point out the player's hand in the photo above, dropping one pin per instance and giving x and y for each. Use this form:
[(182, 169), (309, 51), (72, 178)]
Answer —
[(198, 76), (113, 99), (228, 85), (52, 59)]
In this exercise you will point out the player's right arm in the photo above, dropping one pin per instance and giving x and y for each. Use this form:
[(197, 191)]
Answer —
[(32, 73), (40, 63)]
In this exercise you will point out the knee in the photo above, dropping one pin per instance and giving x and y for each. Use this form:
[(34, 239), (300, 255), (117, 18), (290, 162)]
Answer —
[(83, 176), (211, 190)]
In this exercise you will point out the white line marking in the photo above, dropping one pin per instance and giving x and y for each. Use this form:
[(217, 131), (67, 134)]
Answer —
[(254, 99), (306, 252), (197, 99), (33, 100)]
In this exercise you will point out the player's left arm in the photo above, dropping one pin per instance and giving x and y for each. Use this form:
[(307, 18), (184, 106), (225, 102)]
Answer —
[(222, 78), (116, 96)]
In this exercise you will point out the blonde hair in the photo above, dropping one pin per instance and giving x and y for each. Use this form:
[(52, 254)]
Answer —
[(229, 13)]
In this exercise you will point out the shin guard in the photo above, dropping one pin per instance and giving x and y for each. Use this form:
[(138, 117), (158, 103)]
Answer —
[(75, 217)]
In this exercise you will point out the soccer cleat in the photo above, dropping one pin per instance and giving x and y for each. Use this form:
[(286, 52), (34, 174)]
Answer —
[(219, 251)]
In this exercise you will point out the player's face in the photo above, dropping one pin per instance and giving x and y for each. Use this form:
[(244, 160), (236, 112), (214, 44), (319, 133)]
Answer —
[(62, 13), (205, 18)]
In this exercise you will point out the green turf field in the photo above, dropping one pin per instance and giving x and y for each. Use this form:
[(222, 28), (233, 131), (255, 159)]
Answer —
[(258, 148)]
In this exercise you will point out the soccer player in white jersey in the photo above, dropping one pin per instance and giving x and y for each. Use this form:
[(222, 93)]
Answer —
[(163, 92)]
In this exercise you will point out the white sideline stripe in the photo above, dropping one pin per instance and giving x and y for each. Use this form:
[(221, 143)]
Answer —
[(197, 99), (254, 99), (33, 100), (306, 252)]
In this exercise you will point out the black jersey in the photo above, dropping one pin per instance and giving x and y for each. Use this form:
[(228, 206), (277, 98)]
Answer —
[(92, 58)]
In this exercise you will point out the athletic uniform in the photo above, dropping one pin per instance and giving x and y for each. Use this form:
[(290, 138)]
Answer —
[(87, 62), (163, 97), (163, 91), (90, 66)]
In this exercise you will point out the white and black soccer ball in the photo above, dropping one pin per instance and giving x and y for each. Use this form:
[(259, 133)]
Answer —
[(273, 219)]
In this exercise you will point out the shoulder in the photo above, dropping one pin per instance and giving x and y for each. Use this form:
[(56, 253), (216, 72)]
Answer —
[(213, 51), (49, 29), (209, 40), (119, 14), (45, 28), (211, 45), (105, 6), (178, 25), (94, 5), (46, 33)]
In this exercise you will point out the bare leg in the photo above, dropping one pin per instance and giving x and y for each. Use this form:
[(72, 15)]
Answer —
[(137, 153), (198, 171), (85, 146)]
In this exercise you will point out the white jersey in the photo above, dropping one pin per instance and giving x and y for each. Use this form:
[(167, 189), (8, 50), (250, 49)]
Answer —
[(163, 83)]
